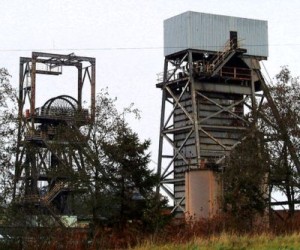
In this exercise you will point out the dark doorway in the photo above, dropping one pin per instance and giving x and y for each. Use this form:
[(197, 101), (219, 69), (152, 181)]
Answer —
[(233, 39)]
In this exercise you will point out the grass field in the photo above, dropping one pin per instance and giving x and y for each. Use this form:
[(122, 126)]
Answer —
[(232, 242)]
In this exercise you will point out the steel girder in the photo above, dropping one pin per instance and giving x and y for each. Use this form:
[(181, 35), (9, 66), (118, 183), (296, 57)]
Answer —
[(200, 125), (41, 149)]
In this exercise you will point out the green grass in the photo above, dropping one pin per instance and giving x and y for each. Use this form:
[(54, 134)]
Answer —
[(232, 242)]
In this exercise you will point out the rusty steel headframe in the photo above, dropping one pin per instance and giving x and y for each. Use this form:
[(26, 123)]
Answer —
[(52, 64), (37, 127)]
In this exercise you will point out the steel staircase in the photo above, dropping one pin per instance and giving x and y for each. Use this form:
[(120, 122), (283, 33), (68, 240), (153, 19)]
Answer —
[(58, 188), (46, 201), (50, 196), (221, 58)]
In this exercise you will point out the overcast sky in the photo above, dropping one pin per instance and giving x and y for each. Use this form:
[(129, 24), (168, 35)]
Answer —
[(126, 38)]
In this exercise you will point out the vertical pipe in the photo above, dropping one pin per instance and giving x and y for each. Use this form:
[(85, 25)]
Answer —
[(20, 113), (93, 90), (21, 89), (79, 86), (162, 121), (253, 98), (264, 186), (194, 108), (33, 81)]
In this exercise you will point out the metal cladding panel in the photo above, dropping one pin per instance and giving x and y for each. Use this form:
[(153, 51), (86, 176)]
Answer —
[(202, 194), (193, 30)]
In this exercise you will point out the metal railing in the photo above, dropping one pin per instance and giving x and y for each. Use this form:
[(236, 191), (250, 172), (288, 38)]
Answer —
[(60, 186), (201, 66), (173, 74), (49, 196), (236, 73)]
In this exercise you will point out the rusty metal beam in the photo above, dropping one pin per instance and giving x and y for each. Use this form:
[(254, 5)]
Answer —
[(79, 86), (50, 56), (32, 152), (93, 91)]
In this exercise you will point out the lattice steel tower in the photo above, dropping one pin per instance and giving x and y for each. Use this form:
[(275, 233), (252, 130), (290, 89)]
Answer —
[(51, 147), (211, 77)]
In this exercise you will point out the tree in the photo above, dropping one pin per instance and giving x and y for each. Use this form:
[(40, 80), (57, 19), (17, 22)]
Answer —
[(8, 106), (245, 181), (116, 177), (268, 159), (283, 135), (132, 181), (93, 161)]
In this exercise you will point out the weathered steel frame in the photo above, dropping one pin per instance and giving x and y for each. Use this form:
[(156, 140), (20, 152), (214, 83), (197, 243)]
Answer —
[(165, 167), (57, 60), (86, 67), (166, 129), (244, 101)]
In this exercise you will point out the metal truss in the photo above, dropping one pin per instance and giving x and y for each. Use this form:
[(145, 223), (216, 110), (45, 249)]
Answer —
[(202, 115), (50, 145)]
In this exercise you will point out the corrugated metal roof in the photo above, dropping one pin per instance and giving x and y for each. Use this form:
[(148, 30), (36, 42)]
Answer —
[(209, 32)]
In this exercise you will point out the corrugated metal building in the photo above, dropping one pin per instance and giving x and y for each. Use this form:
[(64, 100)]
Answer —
[(208, 32)]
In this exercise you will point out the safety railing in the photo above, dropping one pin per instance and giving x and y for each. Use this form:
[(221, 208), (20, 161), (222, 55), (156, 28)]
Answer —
[(236, 73), (60, 186)]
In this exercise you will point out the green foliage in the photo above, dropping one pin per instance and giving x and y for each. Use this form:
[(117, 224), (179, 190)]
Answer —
[(131, 181), (283, 135), (244, 181), (111, 182), (8, 135), (117, 182), (268, 158)]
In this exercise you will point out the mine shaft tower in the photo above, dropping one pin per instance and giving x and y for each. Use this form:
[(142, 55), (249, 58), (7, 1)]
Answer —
[(50, 146), (211, 77)]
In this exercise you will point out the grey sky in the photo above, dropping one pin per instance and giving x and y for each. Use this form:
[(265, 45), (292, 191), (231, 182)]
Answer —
[(126, 37)]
